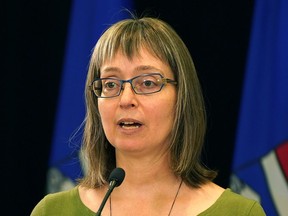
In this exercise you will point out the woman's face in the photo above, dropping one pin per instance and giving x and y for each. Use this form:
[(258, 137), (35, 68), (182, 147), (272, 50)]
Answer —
[(133, 123)]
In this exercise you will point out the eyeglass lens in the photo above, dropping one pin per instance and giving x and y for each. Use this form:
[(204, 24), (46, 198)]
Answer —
[(143, 84)]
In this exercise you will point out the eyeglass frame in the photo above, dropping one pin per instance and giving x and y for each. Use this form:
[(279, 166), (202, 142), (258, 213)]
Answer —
[(164, 80)]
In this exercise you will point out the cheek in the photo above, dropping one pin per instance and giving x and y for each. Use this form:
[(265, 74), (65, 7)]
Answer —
[(171, 108), (164, 112), (105, 112), (100, 107)]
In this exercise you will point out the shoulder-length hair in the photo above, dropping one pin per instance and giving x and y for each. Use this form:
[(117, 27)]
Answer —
[(188, 134)]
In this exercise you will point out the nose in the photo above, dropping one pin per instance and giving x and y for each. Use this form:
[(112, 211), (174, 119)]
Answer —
[(127, 96)]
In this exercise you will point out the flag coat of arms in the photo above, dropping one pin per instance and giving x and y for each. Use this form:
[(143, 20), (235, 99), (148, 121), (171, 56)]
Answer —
[(260, 166)]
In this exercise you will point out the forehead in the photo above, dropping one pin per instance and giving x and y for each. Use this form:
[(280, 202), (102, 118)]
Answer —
[(142, 61)]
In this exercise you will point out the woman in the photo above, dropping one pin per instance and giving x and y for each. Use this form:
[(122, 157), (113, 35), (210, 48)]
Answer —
[(145, 114)]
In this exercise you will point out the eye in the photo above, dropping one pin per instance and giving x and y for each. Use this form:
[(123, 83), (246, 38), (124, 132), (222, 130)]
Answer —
[(110, 84), (148, 83)]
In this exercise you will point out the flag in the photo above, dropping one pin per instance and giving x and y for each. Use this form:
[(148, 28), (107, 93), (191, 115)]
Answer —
[(260, 163), (88, 20)]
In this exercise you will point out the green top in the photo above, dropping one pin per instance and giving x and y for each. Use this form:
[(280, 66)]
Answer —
[(68, 203)]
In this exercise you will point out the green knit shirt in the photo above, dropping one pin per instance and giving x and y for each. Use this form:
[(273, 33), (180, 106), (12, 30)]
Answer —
[(68, 203)]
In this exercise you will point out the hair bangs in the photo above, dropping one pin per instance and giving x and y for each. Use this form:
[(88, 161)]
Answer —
[(129, 39)]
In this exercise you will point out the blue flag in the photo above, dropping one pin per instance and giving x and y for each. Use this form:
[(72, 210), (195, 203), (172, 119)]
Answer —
[(260, 166), (88, 20)]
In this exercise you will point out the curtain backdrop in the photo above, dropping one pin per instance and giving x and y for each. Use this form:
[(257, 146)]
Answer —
[(88, 19)]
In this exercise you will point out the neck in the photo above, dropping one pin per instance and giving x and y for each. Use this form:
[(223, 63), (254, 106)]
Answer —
[(149, 185), (146, 171)]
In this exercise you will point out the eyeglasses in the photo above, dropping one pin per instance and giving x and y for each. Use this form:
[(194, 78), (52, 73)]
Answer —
[(142, 84)]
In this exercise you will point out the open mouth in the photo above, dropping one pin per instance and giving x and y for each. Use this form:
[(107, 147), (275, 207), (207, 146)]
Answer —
[(130, 124)]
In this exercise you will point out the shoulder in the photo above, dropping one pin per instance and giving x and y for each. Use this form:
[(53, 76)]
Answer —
[(61, 203), (231, 197), (63, 196), (231, 203)]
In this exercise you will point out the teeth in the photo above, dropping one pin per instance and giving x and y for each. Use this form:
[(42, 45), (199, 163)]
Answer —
[(130, 124)]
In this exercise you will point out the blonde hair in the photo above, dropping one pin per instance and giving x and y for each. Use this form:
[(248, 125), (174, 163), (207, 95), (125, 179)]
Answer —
[(188, 133)]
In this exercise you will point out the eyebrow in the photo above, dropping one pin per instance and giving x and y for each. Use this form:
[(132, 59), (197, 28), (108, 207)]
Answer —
[(137, 69), (111, 69), (146, 67)]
